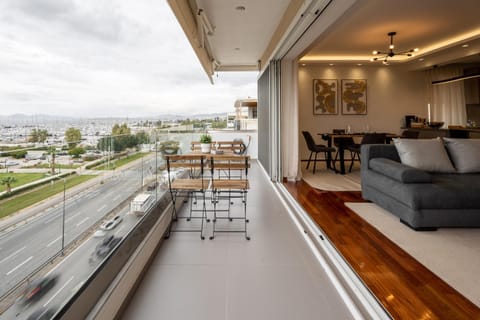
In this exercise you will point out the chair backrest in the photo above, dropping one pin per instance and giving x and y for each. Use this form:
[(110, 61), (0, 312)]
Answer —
[(229, 164), (374, 138), (193, 164), (409, 134), (309, 140)]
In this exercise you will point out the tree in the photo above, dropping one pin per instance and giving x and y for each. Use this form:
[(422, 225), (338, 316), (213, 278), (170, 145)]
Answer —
[(76, 152), (73, 137), (8, 181), (38, 135), (120, 129), (53, 152), (142, 137)]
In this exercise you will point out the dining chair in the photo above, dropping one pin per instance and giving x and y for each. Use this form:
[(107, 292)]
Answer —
[(340, 142), (368, 138), (229, 187), (187, 180), (316, 148), (409, 134)]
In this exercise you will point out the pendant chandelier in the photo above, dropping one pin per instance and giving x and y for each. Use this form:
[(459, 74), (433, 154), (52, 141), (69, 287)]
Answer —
[(384, 56)]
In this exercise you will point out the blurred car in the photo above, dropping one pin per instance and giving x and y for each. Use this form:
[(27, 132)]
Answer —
[(106, 246), (99, 234), (42, 314), (37, 288), (112, 223)]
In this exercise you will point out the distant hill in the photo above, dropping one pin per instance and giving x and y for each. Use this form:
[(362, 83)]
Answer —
[(20, 118)]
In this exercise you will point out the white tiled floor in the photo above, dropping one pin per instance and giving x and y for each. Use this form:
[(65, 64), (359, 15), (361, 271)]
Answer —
[(272, 276)]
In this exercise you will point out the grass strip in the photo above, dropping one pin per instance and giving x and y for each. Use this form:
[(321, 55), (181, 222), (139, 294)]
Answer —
[(57, 166), (14, 204), (22, 178), (120, 162)]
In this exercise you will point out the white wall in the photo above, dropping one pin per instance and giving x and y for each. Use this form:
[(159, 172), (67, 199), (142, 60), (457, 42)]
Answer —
[(392, 93)]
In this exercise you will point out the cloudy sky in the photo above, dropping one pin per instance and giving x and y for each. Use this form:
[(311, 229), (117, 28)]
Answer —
[(105, 58)]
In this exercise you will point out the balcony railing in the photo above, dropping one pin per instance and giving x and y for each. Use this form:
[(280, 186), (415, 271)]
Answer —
[(65, 240)]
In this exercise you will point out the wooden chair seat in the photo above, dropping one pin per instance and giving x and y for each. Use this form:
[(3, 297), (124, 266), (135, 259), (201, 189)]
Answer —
[(190, 184), (233, 184)]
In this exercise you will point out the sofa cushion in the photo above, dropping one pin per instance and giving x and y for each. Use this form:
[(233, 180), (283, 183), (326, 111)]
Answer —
[(399, 171), (424, 154), (465, 154)]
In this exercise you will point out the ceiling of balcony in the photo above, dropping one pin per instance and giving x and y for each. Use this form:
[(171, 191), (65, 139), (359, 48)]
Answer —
[(437, 27)]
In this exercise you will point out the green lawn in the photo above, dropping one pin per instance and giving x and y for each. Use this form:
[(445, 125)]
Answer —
[(22, 178), (29, 198), (57, 166), (120, 162)]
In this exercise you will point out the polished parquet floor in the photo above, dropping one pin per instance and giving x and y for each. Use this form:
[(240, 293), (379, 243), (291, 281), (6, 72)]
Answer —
[(405, 287)]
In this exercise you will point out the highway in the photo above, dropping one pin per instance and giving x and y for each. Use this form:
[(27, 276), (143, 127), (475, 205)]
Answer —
[(32, 244)]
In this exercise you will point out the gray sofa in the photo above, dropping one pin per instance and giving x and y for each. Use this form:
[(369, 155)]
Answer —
[(422, 200)]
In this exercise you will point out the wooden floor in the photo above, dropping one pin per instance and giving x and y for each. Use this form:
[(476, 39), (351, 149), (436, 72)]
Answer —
[(405, 287)]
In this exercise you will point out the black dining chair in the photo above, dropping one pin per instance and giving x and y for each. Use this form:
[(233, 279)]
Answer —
[(368, 138), (316, 148), (409, 134), (339, 142)]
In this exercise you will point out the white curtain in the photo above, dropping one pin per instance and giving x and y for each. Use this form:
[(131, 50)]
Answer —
[(447, 100), (289, 120)]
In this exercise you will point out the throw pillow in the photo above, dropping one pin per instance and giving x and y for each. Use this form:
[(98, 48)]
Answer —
[(424, 154), (465, 154)]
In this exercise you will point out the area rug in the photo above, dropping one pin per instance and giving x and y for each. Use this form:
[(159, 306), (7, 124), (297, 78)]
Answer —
[(453, 254), (328, 180)]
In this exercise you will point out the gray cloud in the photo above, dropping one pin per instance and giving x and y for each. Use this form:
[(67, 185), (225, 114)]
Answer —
[(103, 58)]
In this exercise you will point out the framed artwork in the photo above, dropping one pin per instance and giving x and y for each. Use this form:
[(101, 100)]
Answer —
[(354, 96), (325, 96)]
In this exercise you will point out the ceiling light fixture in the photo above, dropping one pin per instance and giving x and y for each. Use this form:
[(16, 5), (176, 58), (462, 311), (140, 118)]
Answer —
[(390, 53)]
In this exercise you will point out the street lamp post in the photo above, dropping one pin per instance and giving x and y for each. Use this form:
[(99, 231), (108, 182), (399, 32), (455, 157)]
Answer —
[(63, 217), (142, 171), (156, 166)]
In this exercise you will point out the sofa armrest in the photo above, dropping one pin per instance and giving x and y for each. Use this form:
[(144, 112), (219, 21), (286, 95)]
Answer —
[(399, 171)]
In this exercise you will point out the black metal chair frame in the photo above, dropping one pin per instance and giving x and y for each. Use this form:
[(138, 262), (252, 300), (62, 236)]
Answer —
[(316, 148), (228, 187), (188, 188), (368, 138)]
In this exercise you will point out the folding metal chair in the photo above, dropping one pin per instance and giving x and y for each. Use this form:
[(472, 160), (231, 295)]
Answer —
[(186, 179), (228, 187)]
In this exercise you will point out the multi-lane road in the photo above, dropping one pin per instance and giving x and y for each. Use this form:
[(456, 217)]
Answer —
[(30, 245)]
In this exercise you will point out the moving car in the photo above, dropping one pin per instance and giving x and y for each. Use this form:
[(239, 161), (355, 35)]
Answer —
[(112, 223), (106, 246), (37, 288)]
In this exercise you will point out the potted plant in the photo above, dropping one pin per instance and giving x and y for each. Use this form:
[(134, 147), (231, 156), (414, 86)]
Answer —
[(169, 147), (205, 142)]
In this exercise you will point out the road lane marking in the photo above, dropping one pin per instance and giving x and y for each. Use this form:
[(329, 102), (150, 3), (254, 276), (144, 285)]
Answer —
[(11, 255), (83, 221), (118, 231), (101, 208), (78, 286), (48, 245), (51, 219), (58, 291), (76, 214), (21, 264)]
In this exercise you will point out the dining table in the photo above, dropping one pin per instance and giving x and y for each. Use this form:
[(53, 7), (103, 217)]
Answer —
[(340, 139)]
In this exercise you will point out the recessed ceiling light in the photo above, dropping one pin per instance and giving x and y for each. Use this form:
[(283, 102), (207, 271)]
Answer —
[(240, 8), (421, 59), (464, 45), (331, 64), (359, 64), (303, 64)]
